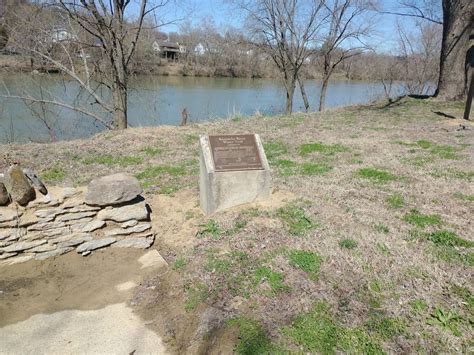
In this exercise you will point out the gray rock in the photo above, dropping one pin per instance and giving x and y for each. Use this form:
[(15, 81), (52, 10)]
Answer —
[(18, 186), (9, 224), (18, 259), (83, 208), (19, 246), (5, 243), (112, 190), (28, 219), (95, 244), (4, 195), (130, 223), (42, 248), (69, 192), (8, 214), (141, 243), (45, 226), (75, 241), (7, 255), (88, 227), (48, 233), (86, 253), (81, 221), (127, 231), (68, 237), (50, 254), (35, 181), (49, 212), (74, 216), (125, 213)]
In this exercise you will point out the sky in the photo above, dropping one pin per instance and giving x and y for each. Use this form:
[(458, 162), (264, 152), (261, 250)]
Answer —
[(222, 13)]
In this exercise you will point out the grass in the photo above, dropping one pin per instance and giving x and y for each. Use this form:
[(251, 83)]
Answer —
[(395, 201), (310, 169), (252, 338), (55, 174), (110, 160), (307, 261), (348, 244), (448, 239), (448, 320), (211, 228), (376, 175), (418, 306), (152, 152), (465, 295), (274, 149), (331, 149), (420, 220), (464, 197), (180, 264), (286, 167), (298, 224), (157, 171), (196, 295), (274, 280), (382, 228)]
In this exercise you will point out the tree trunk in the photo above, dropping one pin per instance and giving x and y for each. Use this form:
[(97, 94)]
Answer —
[(120, 106), (458, 21), (303, 93), (322, 96), (290, 84)]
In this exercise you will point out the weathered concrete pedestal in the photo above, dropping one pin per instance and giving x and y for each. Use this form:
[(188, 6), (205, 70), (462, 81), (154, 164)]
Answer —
[(242, 174)]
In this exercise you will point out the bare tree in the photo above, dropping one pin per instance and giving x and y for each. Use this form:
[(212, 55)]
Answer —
[(285, 30), (345, 38), (93, 42)]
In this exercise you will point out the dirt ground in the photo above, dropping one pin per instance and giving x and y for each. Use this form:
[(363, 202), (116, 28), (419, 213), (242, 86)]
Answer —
[(365, 247)]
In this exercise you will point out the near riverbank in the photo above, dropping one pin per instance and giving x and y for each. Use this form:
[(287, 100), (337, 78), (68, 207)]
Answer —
[(366, 245)]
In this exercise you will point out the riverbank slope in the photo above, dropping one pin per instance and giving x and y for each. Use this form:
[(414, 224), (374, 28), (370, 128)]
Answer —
[(365, 246)]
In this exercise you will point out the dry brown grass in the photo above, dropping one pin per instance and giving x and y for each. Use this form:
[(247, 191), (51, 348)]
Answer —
[(393, 264)]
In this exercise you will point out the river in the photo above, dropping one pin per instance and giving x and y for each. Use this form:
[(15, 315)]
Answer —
[(157, 100)]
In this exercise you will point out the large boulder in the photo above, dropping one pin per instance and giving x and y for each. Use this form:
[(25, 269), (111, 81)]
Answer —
[(112, 190), (18, 186), (4, 196)]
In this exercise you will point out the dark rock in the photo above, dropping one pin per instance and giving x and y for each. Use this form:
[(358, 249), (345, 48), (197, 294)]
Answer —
[(4, 196), (18, 186), (35, 181)]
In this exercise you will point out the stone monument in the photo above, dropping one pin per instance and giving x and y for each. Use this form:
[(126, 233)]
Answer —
[(233, 171)]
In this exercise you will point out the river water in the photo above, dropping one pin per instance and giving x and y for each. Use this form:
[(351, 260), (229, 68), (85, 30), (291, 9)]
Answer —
[(157, 100)]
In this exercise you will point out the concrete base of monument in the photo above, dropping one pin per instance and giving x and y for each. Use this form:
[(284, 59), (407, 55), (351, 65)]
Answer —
[(220, 190)]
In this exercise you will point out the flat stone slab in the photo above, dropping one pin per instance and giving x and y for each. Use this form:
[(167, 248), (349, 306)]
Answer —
[(88, 227), (112, 190), (50, 254), (127, 231), (20, 246), (125, 213), (95, 244), (8, 214), (141, 243)]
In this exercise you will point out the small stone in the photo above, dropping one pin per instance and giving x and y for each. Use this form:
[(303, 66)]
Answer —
[(86, 253), (7, 255), (18, 259), (152, 259), (75, 241), (5, 243), (18, 186), (28, 219), (74, 216), (88, 227), (125, 213), (42, 248), (74, 201), (95, 244), (136, 229), (69, 192), (4, 195), (141, 243), (81, 221), (35, 181), (131, 223), (49, 254), (19, 246), (112, 190), (49, 233), (49, 212)]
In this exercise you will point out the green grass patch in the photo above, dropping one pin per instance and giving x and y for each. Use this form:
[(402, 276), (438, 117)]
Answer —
[(445, 152), (295, 219), (253, 339), (453, 256), (180, 264), (376, 175), (326, 149), (286, 167), (210, 228), (310, 169), (420, 220), (395, 201), (274, 280), (110, 160), (157, 171), (55, 174), (448, 320), (424, 144), (307, 261), (382, 228), (195, 295), (465, 295), (418, 306), (385, 327), (348, 244), (448, 239), (456, 174), (152, 152), (191, 139), (218, 264), (464, 197), (239, 225), (274, 149)]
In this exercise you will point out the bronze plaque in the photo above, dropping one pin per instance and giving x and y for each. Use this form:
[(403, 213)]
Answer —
[(235, 152)]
